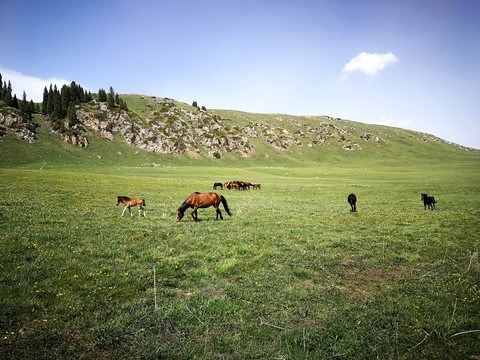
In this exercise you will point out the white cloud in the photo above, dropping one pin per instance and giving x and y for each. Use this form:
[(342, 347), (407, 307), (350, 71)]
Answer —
[(32, 86), (368, 63)]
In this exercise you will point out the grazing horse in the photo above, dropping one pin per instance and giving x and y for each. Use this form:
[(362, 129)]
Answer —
[(352, 200), (232, 185), (256, 186), (428, 201), (217, 185), (197, 200), (131, 202)]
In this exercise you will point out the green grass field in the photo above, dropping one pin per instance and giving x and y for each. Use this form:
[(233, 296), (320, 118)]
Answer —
[(293, 274)]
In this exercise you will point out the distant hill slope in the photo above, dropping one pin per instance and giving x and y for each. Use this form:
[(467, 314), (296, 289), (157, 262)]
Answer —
[(164, 126)]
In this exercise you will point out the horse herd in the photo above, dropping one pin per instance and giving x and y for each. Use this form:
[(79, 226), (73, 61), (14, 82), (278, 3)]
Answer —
[(237, 185), (198, 200)]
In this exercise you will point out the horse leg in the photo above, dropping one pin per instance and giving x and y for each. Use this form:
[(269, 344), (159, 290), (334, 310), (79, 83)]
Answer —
[(123, 212), (195, 214), (218, 213)]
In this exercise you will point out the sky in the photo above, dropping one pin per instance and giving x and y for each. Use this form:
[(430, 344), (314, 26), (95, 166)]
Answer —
[(410, 64)]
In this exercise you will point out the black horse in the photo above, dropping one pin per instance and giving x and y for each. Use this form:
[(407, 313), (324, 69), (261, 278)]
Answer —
[(217, 185), (352, 200), (428, 201)]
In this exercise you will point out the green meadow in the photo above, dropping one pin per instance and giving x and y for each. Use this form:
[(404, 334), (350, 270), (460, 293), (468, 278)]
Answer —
[(293, 274)]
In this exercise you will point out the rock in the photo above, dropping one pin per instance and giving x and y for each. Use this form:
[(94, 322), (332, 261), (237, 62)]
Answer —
[(75, 139), (14, 123)]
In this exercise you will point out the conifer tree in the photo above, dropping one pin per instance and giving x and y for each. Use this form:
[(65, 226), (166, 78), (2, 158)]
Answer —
[(25, 108), (66, 96), (8, 99), (4, 90), (102, 95), (22, 105), (57, 104), (50, 101), (54, 122), (33, 108), (15, 101), (45, 102), (111, 99), (72, 115)]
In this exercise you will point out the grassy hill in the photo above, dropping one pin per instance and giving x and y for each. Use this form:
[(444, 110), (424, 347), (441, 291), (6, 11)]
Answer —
[(293, 274), (275, 140)]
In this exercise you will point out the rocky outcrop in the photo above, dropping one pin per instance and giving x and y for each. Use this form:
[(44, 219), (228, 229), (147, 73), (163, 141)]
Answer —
[(164, 127), (75, 139), (168, 129), (13, 122)]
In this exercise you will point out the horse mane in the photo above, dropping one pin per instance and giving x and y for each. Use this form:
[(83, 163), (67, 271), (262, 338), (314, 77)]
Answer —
[(182, 207)]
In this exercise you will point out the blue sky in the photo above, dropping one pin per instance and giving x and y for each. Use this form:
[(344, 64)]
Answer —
[(411, 64)]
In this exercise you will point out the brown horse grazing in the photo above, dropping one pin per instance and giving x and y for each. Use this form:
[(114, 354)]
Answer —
[(197, 200), (131, 202), (256, 186)]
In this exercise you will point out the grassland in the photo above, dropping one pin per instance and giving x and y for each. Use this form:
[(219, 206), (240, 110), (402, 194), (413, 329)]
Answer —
[(293, 274)]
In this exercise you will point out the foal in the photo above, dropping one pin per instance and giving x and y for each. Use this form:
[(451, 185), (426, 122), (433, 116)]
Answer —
[(131, 202)]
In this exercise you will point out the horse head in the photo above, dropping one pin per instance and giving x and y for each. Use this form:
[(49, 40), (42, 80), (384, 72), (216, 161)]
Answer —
[(118, 200), (180, 214)]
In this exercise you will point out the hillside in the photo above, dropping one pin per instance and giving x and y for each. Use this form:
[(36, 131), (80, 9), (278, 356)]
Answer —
[(161, 129)]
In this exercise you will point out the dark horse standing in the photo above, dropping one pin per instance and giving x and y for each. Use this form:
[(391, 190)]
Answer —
[(352, 200), (220, 185), (197, 200), (428, 201)]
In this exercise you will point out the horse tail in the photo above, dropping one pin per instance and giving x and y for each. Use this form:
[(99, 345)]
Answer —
[(143, 201), (224, 202)]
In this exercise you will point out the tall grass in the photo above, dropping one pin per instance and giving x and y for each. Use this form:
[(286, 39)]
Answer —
[(292, 274)]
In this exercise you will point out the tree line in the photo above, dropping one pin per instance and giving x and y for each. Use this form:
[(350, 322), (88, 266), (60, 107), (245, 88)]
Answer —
[(112, 99), (27, 107), (59, 105)]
